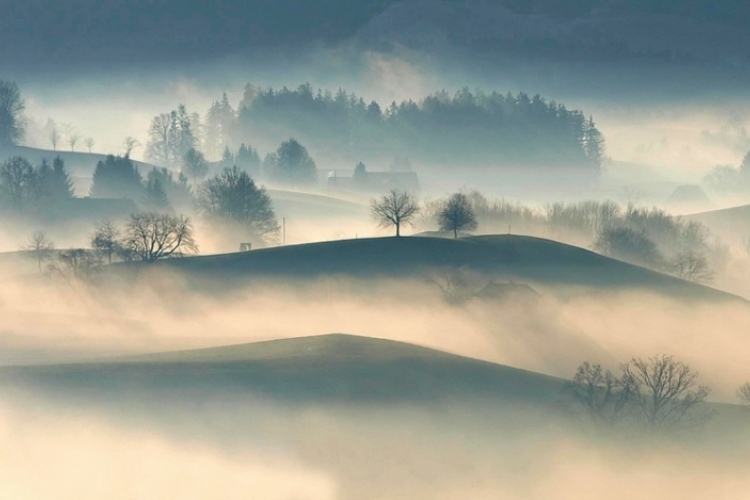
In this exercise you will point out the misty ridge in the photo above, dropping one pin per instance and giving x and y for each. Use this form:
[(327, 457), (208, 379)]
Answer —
[(487, 250)]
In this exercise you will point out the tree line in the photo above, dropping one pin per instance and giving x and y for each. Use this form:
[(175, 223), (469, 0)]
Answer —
[(647, 237), (468, 127)]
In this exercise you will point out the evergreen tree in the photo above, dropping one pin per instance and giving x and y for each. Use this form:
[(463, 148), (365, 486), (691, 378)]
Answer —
[(116, 177), (593, 145), (248, 159), (61, 186), (154, 196)]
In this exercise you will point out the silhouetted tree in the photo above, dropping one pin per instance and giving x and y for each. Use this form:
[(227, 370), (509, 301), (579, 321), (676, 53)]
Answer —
[(154, 196), (170, 138), (59, 184), (89, 143), (194, 165), (666, 393), (628, 245), (18, 183), (743, 393), (153, 236), (457, 215), (233, 196), (77, 264), (601, 396), (40, 248), (177, 190), (106, 240), (53, 132), (394, 209), (129, 144), (247, 159), (116, 177), (293, 164), (593, 144), (691, 266), (11, 114)]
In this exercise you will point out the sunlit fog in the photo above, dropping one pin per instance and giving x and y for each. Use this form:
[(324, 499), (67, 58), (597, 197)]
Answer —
[(414, 249)]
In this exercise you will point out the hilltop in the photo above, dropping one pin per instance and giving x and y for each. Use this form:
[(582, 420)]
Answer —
[(328, 367), (499, 257)]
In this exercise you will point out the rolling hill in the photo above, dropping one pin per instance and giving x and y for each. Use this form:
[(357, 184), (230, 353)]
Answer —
[(323, 368), (732, 224), (499, 257)]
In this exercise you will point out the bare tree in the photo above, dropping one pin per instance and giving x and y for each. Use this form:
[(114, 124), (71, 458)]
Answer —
[(89, 143), (666, 392), (130, 143), (692, 266), (153, 236), (54, 133), (457, 215), (72, 134), (394, 209), (40, 248), (601, 395), (743, 393), (106, 240), (77, 265), (11, 113), (73, 140)]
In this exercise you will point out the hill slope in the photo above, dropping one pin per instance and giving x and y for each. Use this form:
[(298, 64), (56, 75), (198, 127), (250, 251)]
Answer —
[(329, 367), (500, 257), (730, 223)]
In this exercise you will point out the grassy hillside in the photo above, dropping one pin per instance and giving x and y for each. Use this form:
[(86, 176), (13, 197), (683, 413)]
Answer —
[(500, 257), (732, 224), (330, 367)]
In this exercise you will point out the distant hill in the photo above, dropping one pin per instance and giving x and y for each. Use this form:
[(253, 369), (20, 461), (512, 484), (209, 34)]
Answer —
[(732, 224), (329, 367), (501, 257)]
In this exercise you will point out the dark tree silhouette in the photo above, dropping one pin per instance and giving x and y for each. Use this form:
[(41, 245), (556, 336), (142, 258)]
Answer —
[(602, 396), (394, 209), (457, 215), (194, 165), (153, 236), (106, 240), (116, 177), (40, 248), (293, 164), (18, 183), (629, 245), (154, 196), (233, 196), (743, 393), (247, 159), (666, 392), (11, 114)]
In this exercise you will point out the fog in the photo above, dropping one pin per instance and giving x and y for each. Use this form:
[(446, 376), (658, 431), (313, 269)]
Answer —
[(291, 347)]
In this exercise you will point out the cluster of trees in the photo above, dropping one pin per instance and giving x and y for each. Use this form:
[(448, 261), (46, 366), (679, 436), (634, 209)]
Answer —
[(660, 393), (182, 141), (729, 179), (399, 208), (648, 237), (33, 190), (468, 126), (145, 237)]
